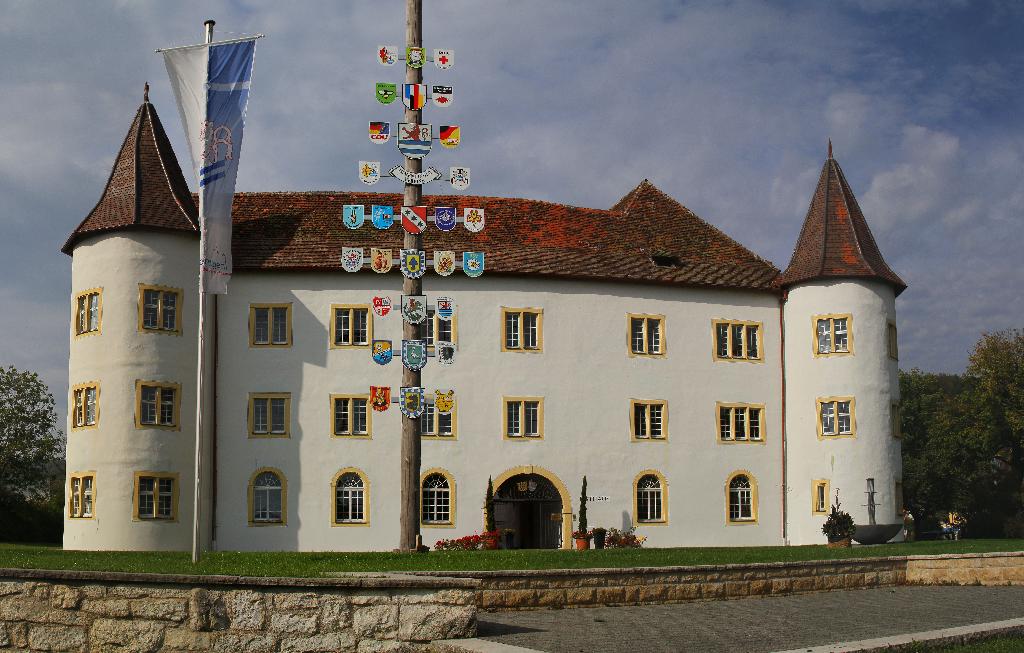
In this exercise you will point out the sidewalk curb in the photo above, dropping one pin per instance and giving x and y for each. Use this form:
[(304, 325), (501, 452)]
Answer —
[(958, 635)]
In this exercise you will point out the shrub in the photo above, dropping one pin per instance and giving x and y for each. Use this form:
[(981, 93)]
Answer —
[(626, 539), (839, 524), (472, 542)]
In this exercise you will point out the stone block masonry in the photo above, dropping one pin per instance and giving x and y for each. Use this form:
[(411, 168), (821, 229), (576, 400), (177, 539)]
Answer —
[(144, 613)]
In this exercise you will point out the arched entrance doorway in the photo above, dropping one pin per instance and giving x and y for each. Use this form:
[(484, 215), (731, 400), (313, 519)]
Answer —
[(531, 506)]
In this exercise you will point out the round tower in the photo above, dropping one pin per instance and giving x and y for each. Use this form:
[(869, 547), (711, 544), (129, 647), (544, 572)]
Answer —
[(841, 369), (132, 367)]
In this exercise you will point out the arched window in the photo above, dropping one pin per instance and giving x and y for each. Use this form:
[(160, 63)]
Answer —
[(650, 498), (267, 497), (350, 498), (436, 499), (742, 499)]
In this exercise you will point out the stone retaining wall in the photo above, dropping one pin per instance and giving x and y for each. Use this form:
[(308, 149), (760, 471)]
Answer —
[(967, 569), (568, 588), (144, 613)]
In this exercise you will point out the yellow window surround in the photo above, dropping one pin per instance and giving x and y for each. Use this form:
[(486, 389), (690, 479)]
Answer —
[(646, 426), (349, 402), (82, 504), (163, 307), (450, 523), (161, 388), (365, 521), (740, 415), (350, 341), (157, 477), (79, 409), (267, 430), (746, 328), (284, 498), (663, 486), (516, 340), (272, 339), (643, 346), (836, 430), (84, 322), (520, 434), (832, 319)]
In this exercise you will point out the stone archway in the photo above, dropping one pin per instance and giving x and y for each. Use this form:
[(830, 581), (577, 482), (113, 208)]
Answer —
[(544, 480)]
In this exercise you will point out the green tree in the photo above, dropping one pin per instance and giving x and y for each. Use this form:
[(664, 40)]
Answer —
[(31, 459), (489, 524), (583, 507), (997, 368)]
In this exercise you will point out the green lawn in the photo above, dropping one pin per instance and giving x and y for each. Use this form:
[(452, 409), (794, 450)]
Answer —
[(999, 645), (319, 564)]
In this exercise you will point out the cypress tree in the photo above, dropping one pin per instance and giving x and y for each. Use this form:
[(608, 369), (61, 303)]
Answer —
[(583, 507), (489, 506)]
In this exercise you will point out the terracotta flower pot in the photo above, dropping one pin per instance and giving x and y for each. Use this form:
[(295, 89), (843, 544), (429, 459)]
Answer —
[(582, 543), (840, 544)]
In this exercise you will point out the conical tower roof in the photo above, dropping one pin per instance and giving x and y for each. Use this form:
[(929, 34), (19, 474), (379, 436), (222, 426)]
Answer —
[(835, 240), (146, 189)]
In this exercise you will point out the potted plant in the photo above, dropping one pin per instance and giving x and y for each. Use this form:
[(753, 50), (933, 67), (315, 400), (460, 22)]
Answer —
[(489, 540), (582, 535), (598, 534), (509, 535), (839, 526)]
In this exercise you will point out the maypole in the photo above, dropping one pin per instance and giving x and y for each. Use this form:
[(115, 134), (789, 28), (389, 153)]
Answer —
[(409, 539)]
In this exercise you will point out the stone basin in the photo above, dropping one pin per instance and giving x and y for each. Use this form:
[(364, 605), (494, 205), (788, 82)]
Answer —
[(876, 533)]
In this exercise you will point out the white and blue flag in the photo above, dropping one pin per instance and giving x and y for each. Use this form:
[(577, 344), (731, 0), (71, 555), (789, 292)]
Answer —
[(211, 85)]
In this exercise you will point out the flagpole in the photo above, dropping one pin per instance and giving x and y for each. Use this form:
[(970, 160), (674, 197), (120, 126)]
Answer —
[(409, 519), (200, 377)]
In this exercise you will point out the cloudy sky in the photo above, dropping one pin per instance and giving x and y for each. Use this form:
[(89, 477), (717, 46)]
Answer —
[(726, 106)]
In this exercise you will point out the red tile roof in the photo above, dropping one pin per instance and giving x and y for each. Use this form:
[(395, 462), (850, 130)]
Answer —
[(835, 240), (303, 230), (146, 189)]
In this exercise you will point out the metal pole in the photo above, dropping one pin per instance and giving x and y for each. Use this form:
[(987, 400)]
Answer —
[(411, 444), (200, 373)]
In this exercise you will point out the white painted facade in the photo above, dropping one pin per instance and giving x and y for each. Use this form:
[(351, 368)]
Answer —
[(585, 375)]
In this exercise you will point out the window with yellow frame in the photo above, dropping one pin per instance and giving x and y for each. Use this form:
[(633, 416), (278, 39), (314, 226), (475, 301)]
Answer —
[(82, 495), (157, 405), (85, 405), (741, 498), (894, 417), (892, 340), (833, 334), (156, 496), (524, 418), (351, 326), (88, 308), (351, 416), (648, 419), (270, 414), (522, 329), (819, 497), (159, 309), (351, 505), (433, 329), (740, 422), (268, 498), (435, 425), (437, 499), (270, 325), (737, 340), (650, 498), (836, 417), (645, 334)]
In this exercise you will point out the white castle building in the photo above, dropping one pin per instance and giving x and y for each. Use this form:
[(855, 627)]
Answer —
[(708, 398)]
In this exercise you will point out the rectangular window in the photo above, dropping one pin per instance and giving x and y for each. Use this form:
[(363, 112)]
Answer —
[(649, 419), (82, 494), (269, 415), (894, 416), (740, 422), (836, 417), (85, 399), (156, 496), (898, 498), (434, 328), (820, 497), (352, 325), (87, 311), (436, 425), (524, 417), (522, 329), (159, 309), (736, 340), (270, 325), (157, 405), (894, 352), (351, 416), (832, 334), (646, 335)]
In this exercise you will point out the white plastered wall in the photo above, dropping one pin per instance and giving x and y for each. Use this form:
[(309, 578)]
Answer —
[(584, 374), (116, 357), (869, 375)]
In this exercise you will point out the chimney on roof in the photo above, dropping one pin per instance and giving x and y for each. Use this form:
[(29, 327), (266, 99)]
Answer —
[(145, 92)]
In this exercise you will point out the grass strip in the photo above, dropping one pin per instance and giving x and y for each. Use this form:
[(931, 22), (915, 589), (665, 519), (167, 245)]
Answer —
[(320, 564)]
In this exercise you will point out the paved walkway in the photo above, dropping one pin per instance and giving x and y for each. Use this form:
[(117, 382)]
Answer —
[(752, 625)]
